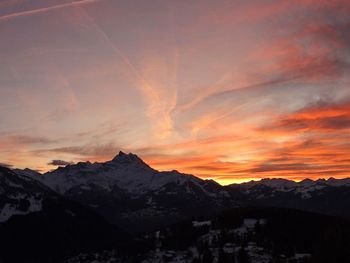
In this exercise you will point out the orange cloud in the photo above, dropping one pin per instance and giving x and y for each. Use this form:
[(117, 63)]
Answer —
[(322, 117)]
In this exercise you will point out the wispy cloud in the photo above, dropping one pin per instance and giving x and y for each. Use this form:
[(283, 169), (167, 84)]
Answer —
[(92, 152), (46, 9), (159, 91), (25, 140), (6, 165)]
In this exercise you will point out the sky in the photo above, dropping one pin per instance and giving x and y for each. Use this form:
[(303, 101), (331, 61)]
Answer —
[(225, 90)]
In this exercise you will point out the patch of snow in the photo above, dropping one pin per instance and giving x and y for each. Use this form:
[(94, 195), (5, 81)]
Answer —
[(14, 185), (201, 223), (11, 209), (85, 187), (70, 212)]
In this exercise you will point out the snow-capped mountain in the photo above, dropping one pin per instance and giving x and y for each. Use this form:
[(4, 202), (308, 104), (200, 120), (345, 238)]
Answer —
[(331, 196), (127, 171), (130, 193), (303, 187), (277, 183)]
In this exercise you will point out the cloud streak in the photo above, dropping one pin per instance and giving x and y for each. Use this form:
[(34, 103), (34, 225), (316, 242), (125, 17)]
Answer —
[(59, 163), (46, 9), (6, 165)]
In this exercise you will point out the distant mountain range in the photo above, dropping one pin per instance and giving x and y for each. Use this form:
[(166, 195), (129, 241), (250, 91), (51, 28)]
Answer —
[(134, 196), (94, 204), (330, 197)]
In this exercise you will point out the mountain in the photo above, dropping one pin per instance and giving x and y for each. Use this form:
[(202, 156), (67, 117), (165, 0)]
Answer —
[(331, 197), (279, 183), (131, 194), (39, 225)]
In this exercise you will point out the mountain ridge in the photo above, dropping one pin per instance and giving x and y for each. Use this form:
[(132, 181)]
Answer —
[(131, 194), (131, 158), (287, 183)]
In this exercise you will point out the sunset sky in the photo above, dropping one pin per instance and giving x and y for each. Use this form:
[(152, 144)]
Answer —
[(227, 90)]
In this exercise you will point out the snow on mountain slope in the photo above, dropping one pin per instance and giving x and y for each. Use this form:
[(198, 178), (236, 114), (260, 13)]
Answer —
[(277, 183), (127, 171), (280, 184), (331, 196), (19, 194), (131, 194)]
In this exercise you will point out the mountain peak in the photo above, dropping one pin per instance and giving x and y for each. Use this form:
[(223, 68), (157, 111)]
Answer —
[(122, 157)]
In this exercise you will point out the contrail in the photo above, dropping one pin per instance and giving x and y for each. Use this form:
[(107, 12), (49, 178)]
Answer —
[(115, 49), (46, 9)]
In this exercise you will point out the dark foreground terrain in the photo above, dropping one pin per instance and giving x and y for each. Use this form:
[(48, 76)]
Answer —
[(239, 235)]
